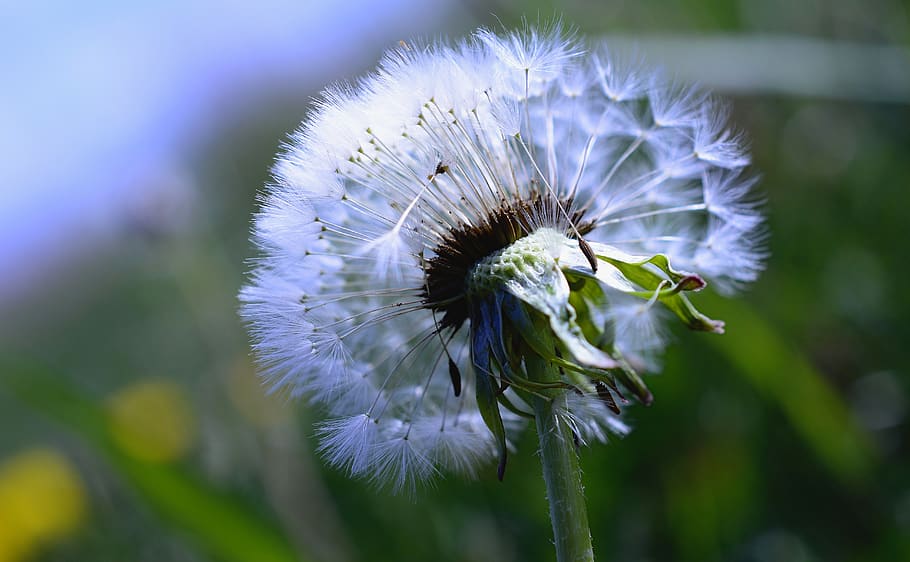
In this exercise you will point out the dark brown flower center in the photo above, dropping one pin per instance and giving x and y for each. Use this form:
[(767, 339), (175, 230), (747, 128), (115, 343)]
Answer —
[(446, 272)]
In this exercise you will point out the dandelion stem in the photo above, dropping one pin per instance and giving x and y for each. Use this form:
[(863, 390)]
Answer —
[(561, 471)]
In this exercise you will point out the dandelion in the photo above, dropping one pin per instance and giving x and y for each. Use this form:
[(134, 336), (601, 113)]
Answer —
[(477, 235)]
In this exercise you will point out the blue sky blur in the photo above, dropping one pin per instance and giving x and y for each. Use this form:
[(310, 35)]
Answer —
[(102, 99)]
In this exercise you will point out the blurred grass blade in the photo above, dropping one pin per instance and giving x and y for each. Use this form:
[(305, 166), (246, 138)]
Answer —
[(787, 378), (217, 521)]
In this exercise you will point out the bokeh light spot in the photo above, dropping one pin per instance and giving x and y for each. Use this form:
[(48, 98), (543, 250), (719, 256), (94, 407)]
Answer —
[(42, 499), (252, 399), (152, 420)]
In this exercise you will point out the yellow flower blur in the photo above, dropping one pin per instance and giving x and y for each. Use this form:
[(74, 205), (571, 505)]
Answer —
[(152, 421), (42, 499)]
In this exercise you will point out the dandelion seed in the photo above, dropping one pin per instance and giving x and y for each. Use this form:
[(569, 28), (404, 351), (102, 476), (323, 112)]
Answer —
[(469, 216)]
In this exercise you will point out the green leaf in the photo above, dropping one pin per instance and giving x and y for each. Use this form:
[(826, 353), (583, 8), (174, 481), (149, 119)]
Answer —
[(776, 369)]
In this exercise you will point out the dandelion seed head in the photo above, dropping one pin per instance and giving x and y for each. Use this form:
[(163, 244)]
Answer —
[(435, 223)]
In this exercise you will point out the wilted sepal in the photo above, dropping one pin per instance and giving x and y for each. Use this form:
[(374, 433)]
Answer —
[(482, 338), (547, 291), (539, 301), (590, 304), (648, 277)]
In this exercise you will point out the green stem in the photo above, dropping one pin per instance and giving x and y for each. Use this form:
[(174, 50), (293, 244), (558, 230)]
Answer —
[(561, 471)]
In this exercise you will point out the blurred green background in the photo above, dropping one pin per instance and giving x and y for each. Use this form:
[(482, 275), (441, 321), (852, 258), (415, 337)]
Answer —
[(132, 426)]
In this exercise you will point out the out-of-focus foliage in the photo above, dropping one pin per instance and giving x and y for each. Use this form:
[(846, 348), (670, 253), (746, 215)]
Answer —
[(133, 427)]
